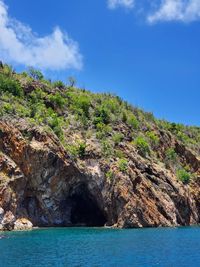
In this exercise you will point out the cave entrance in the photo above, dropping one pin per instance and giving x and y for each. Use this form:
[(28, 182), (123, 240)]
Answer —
[(84, 208)]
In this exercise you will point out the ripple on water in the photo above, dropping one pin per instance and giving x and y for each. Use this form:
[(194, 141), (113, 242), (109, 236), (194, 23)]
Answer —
[(73, 247)]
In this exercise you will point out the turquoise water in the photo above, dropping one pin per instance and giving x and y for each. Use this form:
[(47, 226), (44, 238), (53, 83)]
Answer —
[(94, 247)]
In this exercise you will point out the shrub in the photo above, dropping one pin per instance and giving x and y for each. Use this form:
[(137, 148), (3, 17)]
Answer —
[(7, 70), (117, 138), (142, 146), (111, 104), (170, 154), (132, 121), (7, 108), (119, 154), (153, 138), (24, 74), (164, 124), (82, 149), (123, 165), (149, 116), (58, 84), (107, 149), (55, 122), (37, 95), (10, 85), (102, 130), (102, 115), (183, 176), (124, 116), (80, 104), (22, 110), (38, 111), (77, 150), (176, 127), (72, 150), (110, 175), (57, 99), (72, 81), (183, 137), (35, 74)]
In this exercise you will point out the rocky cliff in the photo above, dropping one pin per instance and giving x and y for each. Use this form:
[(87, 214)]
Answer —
[(126, 171)]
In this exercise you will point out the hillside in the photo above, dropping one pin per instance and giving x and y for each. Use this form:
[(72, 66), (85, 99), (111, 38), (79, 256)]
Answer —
[(71, 157)]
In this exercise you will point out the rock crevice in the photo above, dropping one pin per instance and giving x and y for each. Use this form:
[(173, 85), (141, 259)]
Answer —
[(41, 186)]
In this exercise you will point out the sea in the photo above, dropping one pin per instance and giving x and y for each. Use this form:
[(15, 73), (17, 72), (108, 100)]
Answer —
[(95, 247)]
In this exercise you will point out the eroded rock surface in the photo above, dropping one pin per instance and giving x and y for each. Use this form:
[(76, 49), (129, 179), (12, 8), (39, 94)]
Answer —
[(40, 185), (22, 224)]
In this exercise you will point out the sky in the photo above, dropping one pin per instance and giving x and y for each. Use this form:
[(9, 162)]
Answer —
[(145, 51)]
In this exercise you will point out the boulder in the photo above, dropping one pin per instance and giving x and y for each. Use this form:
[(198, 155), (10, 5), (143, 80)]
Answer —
[(23, 224), (8, 221)]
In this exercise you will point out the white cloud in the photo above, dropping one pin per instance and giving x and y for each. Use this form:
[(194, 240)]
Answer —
[(176, 10), (164, 10), (18, 44), (112, 4)]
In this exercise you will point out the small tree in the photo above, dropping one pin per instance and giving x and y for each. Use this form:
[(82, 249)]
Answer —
[(153, 138), (10, 85), (102, 115), (132, 121), (72, 81), (170, 154), (142, 146), (117, 138), (183, 176), (82, 149), (110, 175), (123, 165), (35, 74), (59, 84)]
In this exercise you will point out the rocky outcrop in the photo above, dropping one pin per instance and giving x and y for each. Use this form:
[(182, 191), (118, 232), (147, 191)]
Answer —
[(40, 185), (7, 220), (22, 224)]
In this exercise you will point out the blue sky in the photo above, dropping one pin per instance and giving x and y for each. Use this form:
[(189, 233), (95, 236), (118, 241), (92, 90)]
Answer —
[(148, 52)]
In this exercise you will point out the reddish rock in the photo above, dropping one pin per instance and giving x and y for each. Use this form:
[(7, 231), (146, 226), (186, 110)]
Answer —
[(41, 185)]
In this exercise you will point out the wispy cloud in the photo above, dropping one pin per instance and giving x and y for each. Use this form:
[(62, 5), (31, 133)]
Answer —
[(176, 10), (18, 44), (162, 10), (112, 4)]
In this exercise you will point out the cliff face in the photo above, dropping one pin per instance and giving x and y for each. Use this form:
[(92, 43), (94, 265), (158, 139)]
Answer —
[(41, 184), (71, 157)]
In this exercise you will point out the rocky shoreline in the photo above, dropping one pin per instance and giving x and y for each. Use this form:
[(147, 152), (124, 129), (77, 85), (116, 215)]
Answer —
[(42, 186)]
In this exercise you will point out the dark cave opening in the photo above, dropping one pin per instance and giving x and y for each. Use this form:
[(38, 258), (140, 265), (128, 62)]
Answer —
[(80, 208), (84, 208)]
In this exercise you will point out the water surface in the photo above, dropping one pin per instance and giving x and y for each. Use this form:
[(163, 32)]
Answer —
[(73, 247)]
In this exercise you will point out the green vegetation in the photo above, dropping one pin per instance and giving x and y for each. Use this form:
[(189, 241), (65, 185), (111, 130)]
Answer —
[(142, 146), (117, 138), (110, 125), (170, 154), (77, 150), (106, 147), (57, 100), (132, 121), (183, 176), (35, 74), (119, 154), (110, 175), (153, 139), (123, 165), (58, 84), (102, 115), (10, 85)]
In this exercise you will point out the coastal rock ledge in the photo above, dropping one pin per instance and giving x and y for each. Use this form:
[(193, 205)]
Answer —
[(41, 185)]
